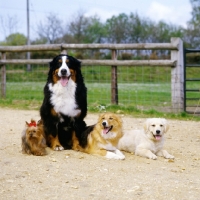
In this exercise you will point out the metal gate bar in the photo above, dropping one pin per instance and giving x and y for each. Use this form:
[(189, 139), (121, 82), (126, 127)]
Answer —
[(186, 65)]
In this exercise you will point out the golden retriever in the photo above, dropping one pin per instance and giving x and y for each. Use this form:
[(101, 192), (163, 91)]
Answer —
[(147, 142), (102, 138)]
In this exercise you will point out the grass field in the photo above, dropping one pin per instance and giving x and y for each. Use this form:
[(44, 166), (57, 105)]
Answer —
[(98, 94), (139, 88)]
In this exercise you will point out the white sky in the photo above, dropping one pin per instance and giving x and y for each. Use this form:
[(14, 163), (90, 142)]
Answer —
[(171, 11)]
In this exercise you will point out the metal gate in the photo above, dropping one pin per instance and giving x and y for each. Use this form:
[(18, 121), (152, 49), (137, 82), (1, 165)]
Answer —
[(192, 81)]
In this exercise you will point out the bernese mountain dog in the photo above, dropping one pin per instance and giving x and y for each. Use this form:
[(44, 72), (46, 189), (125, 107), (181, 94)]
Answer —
[(65, 103)]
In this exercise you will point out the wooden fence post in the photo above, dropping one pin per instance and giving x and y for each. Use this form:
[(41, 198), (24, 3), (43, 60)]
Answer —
[(177, 76), (114, 87), (3, 77)]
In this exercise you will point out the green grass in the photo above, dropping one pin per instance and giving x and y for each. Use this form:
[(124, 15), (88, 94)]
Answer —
[(142, 91)]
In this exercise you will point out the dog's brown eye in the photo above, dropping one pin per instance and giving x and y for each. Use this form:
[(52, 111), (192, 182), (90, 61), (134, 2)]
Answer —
[(161, 125), (111, 118), (153, 125), (60, 61)]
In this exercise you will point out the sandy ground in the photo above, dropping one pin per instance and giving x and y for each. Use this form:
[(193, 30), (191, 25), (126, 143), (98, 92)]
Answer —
[(75, 175)]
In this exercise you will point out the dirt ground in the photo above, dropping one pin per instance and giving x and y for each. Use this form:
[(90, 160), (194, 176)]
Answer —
[(75, 175)]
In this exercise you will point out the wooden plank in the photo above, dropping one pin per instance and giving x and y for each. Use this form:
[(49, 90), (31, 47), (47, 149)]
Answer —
[(177, 77), (169, 63), (61, 47), (3, 77), (114, 87)]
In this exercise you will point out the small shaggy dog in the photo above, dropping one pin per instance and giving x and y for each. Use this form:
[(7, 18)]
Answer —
[(147, 142), (102, 138), (33, 141)]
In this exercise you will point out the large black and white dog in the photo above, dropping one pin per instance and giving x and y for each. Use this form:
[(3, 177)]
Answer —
[(65, 102)]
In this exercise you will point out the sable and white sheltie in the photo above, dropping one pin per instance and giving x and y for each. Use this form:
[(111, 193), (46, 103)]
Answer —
[(65, 102), (102, 138), (33, 141)]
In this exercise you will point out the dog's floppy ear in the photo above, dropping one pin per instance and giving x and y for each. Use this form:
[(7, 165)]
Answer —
[(146, 125), (166, 124)]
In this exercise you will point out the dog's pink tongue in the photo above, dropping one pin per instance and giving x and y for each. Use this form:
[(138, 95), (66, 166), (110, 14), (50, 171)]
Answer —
[(105, 130), (158, 137), (64, 81)]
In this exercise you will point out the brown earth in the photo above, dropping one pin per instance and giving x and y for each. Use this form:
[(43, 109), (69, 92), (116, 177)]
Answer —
[(75, 175)]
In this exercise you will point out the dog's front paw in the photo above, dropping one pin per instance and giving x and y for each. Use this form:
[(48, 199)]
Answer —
[(111, 155), (58, 148), (120, 154), (152, 156), (169, 156)]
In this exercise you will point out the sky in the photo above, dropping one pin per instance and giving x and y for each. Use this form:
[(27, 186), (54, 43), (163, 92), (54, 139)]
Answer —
[(171, 11)]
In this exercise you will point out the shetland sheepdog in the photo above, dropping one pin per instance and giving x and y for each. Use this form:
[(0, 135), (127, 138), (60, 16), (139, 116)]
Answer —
[(102, 138), (33, 141), (65, 102)]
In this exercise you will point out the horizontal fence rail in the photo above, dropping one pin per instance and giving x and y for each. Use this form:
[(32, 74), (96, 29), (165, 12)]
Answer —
[(169, 63), (60, 47), (176, 63)]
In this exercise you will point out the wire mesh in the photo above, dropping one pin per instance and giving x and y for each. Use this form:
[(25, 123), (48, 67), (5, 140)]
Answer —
[(139, 86)]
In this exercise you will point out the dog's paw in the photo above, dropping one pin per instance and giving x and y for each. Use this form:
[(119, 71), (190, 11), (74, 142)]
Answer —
[(111, 155), (169, 156), (58, 148), (120, 154), (152, 156)]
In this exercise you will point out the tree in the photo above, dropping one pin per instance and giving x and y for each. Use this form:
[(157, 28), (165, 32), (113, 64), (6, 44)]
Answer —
[(16, 39), (77, 27), (192, 36), (95, 32), (117, 27), (9, 25), (137, 31), (51, 30)]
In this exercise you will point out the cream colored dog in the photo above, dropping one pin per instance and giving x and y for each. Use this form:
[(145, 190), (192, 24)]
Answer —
[(147, 142)]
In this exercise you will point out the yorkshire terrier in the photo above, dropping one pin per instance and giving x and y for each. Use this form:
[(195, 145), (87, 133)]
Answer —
[(33, 140)]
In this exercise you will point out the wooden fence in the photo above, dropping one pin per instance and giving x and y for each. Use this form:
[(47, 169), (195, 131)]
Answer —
[(176, 63)]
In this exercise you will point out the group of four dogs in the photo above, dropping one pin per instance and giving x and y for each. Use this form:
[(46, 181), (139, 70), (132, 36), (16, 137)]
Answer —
[(62, 124)]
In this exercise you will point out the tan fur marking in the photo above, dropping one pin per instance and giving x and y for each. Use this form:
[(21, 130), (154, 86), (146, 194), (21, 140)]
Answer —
[(53, 112), (53, 141), (75, 143), (73, 75), (55, 76)]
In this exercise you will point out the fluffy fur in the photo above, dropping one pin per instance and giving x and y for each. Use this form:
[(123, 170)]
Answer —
[(147, 142), (102, 138), (65, 102), (33, 141)]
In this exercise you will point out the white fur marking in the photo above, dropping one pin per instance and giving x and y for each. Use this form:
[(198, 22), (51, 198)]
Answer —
[(111, 155), (64, 66), (63, 98), (59, 148)]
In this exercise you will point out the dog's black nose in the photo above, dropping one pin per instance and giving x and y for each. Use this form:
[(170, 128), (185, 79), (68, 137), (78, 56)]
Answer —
[(104, 123), (63, 72), (157, 131)]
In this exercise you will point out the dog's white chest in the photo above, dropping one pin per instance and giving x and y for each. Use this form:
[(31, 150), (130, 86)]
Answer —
[(63, 98)]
